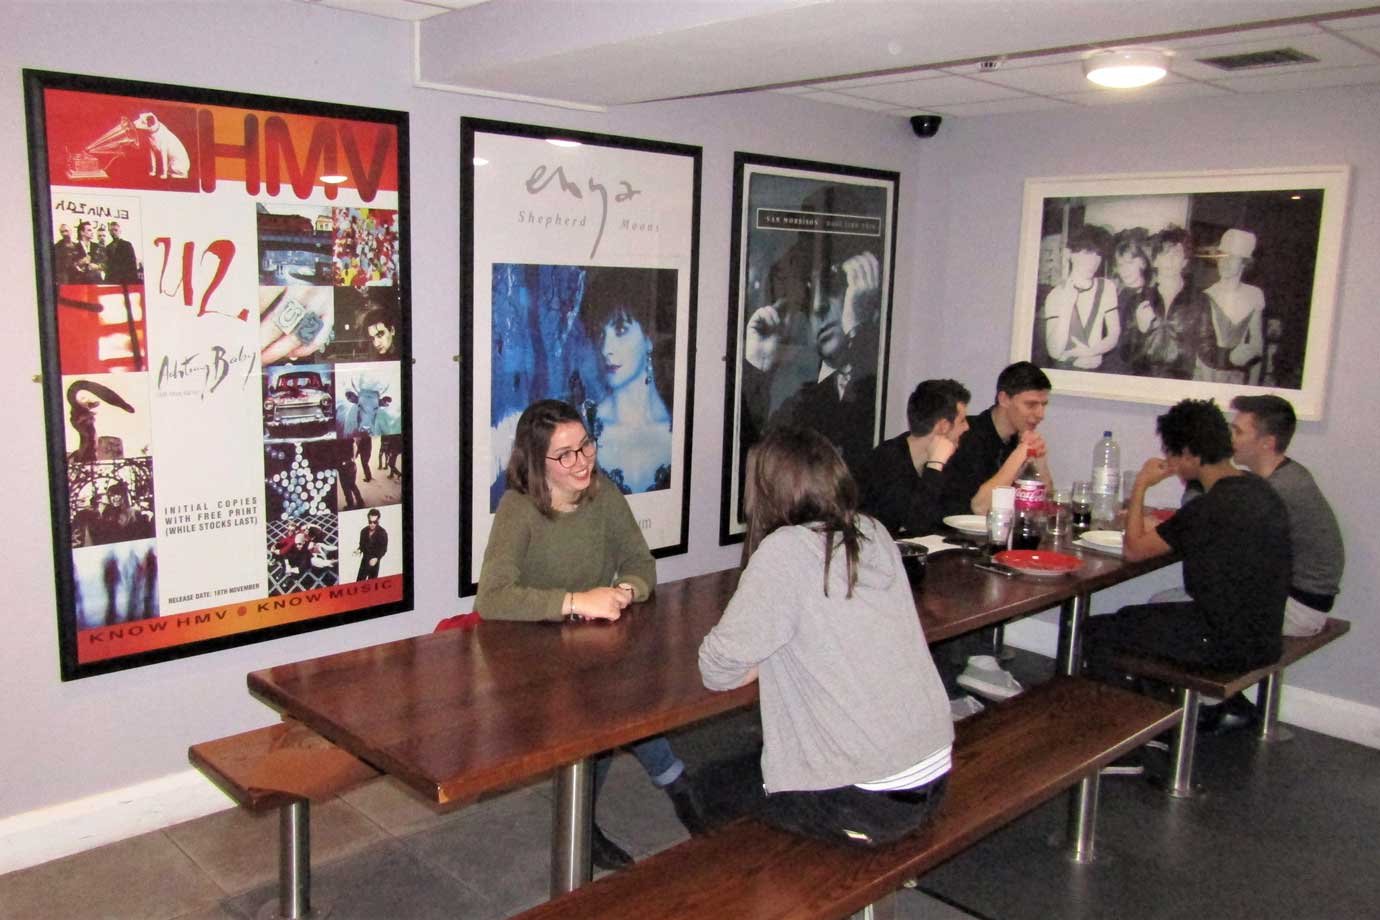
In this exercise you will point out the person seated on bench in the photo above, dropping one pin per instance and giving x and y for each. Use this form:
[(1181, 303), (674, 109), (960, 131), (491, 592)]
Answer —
[(857, 735), (564, 543), (1260, 434), (1234, 541)]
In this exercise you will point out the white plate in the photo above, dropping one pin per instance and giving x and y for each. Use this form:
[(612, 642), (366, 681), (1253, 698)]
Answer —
[(974, 524), (1111, 539)]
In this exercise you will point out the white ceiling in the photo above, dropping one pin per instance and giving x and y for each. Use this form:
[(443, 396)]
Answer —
[(903, 57)]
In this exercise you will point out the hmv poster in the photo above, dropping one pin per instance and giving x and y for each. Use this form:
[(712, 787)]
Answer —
[(224, 311)]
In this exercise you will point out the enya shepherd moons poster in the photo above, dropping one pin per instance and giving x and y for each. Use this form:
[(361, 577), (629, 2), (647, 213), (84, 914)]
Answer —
[(578, 283)]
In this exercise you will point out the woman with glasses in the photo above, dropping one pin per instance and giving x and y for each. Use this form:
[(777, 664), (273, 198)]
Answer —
[(564, 543)]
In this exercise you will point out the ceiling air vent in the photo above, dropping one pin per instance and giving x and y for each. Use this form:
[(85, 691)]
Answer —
[(1279, 57)]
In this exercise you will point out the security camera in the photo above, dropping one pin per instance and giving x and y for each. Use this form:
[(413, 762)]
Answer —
[(925, 125)]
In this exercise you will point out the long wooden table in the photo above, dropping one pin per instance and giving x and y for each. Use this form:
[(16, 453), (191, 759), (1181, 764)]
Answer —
[(458, 713)]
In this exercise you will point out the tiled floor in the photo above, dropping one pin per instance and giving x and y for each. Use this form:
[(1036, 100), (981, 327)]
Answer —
[(1283, 830)]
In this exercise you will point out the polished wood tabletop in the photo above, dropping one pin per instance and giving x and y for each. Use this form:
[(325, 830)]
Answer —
[(457, 713), (461, 712), (955, 597)]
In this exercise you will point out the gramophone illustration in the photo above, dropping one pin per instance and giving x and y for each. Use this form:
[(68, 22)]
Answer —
[(167, 154)]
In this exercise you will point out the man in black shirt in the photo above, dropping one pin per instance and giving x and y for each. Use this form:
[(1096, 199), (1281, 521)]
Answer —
[(903, 479), (999, 442), (1234, 541)]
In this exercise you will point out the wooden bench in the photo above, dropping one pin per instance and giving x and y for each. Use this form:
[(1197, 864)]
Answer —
[(1192, 684), (1007, 760), (284, 766)]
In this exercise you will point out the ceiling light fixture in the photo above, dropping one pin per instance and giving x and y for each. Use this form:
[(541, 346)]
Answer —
[(562, 142), (1126, 68)]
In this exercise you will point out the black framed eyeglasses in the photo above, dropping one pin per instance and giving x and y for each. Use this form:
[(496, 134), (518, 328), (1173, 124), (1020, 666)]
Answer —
[(566, 458)]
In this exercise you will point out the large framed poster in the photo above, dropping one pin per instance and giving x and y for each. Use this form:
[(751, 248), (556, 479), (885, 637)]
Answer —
[(224, 315), (1157, 287), (578, 282), (809, 310)]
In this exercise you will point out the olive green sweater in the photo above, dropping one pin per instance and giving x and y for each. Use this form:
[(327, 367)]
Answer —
[(531, 561)]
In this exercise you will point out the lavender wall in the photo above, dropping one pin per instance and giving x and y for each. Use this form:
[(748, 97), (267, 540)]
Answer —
[(984, 163), (108, 732)]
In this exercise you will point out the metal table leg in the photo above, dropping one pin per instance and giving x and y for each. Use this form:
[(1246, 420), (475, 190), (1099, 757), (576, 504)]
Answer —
[(570, 824), (1082, 804), (294, 867), (1073, 614), (1185, 739), (1267, 704), (1082, 842)]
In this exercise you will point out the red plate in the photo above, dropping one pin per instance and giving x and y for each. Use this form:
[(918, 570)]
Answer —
[(1038, 562)]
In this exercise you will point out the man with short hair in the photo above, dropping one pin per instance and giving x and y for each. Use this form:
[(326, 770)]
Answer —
[(1260, 435), (1234, 541), (903, 479), (999, 441), (121, 264), (373, 543), (382, 328)]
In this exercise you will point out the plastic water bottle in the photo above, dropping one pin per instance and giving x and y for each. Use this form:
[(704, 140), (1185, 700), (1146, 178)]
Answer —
[(1106, 478)]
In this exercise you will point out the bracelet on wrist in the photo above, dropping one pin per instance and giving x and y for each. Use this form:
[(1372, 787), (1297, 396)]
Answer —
[(937, 464)]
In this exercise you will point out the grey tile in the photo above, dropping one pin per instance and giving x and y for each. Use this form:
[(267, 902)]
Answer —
[(384, 881), (500, 846), (142, 878), (238, 849)]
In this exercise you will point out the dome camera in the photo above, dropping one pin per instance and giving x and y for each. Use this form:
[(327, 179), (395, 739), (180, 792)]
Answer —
[(925, 125)]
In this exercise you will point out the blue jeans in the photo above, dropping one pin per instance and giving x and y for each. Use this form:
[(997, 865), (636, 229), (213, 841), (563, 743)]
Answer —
[(662, 765)]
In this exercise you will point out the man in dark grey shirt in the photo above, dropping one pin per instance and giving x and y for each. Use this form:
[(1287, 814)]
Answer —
[(1260, 434)]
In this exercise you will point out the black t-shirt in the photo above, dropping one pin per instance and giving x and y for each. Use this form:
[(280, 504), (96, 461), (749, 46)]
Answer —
[(895, 494), (1237, 559), (981, 452)]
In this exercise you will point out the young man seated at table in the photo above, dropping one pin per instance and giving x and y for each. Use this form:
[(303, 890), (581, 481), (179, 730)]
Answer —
[(903, 479), (1260, 434), (998, 443), (1234, 541)]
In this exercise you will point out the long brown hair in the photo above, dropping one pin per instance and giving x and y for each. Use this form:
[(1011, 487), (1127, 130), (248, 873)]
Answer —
[(796, 476), (526, 471)]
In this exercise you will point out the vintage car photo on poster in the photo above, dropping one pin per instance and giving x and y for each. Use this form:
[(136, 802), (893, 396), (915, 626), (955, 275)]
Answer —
[(1160, 287)]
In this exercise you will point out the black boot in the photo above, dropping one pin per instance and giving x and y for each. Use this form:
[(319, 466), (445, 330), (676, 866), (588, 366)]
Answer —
[(605, 854), (686, 801)]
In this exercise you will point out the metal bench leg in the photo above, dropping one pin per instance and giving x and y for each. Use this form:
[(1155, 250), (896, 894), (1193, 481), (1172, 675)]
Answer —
[(1267, 694), (571, 817), (1082, 821), (294, 867), (882, 909), (1181, 781)]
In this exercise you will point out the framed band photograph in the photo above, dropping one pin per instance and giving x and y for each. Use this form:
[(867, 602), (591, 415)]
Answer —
[(810, 287), (1165, 286), (223, 311), (579, 260)]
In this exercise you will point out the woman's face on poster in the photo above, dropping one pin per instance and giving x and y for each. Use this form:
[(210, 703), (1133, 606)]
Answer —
[(1130, 268), (1171, 261), (626, 350)]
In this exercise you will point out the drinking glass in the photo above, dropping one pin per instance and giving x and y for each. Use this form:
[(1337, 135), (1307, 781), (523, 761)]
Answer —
[(998, 529), (1060, 514), (1080, 503)]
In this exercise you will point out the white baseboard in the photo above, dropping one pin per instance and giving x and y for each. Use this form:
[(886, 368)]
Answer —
[(60, 830), (1328, 715), (71, 827)]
